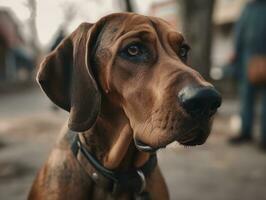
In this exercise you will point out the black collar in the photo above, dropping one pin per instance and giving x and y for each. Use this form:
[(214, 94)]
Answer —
[(133, 181)]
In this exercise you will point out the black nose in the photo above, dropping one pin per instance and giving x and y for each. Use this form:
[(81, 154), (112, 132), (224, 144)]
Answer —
[(198, 101)]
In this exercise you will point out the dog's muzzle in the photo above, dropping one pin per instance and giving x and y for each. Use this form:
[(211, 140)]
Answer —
[(199, 103)]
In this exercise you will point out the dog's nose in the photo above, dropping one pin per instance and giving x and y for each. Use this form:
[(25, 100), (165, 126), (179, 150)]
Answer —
[(198, 101)]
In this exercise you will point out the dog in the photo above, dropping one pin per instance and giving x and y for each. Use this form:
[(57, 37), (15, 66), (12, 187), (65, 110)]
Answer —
[(128, 88)]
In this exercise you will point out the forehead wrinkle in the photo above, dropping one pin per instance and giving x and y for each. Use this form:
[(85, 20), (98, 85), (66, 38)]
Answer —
[(111, 31), (135, 22), (124, 31), (132, 34), (129, 29), (156, 28), (138, 20), (163, 30), (176, 37)]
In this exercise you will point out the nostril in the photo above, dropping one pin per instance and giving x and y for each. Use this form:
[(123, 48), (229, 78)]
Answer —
[(199, 100)]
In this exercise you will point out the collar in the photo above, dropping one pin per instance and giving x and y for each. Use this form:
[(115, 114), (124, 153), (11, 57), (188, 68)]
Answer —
[(133, 180)]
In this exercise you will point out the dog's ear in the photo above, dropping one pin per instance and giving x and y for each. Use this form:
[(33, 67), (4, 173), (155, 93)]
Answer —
[(66, 77)]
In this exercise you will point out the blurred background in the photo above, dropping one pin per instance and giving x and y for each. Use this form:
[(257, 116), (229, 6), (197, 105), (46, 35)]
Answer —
[(231, 165)]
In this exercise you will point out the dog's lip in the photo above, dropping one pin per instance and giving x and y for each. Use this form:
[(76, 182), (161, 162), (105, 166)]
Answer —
[(145, 147), (192, 143), (197, 140)]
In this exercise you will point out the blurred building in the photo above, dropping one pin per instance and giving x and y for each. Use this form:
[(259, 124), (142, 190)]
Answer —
[(225, 15), (12, 47), (167, 10), (9, 37)]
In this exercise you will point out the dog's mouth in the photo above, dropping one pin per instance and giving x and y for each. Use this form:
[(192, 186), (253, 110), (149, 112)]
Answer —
[(198, 139), (144, 147)]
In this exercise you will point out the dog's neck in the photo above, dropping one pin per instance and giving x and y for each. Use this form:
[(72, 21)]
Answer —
[(111, 140)]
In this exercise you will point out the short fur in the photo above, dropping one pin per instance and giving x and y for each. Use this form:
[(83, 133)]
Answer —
[(112, 100)]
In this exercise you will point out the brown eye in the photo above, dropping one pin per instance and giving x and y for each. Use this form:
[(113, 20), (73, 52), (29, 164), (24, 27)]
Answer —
[(133, 50)]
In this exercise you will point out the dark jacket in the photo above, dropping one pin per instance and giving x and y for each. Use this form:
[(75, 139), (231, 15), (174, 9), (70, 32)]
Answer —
[(250, 33)]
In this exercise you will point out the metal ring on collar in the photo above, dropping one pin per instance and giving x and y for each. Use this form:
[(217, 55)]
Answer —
[(143, 181)]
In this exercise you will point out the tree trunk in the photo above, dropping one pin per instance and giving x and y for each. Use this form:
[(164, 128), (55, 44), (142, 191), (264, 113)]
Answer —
[(34, 40), (129, 7), (197, 26)]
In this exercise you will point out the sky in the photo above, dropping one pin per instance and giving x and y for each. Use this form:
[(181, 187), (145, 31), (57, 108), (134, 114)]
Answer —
[(50, 13)]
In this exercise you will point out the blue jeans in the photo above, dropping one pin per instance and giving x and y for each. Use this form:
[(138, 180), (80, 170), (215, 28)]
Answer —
[(248, 94)]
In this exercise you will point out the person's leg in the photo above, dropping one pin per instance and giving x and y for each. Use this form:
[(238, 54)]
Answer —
[(247, 98), (247, 109), (263, 121)]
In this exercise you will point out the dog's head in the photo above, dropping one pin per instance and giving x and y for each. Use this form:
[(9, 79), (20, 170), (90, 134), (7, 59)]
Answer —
[(139, 64)]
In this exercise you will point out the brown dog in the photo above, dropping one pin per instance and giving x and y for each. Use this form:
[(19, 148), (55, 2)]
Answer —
[(129, 92)]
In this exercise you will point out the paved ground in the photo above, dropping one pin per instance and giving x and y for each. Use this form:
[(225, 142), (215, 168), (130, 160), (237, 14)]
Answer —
[(213, 171)]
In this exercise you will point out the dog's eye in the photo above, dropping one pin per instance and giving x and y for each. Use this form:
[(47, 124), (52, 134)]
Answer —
[(135, 52), (183, 52)]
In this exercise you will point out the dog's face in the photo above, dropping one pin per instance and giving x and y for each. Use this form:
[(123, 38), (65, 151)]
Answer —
[(146, 68), (141, 63)]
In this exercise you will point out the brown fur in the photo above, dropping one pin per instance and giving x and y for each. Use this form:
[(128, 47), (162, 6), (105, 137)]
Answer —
[(113, 100)]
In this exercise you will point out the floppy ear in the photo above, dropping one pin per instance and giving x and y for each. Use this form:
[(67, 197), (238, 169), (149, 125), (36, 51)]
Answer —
[(66, 77)]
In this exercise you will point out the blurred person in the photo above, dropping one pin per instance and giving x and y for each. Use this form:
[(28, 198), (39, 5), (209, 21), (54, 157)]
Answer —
[(250, 41)]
